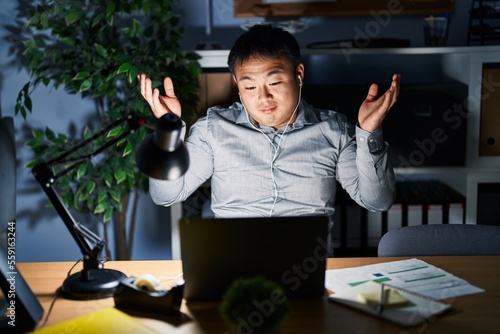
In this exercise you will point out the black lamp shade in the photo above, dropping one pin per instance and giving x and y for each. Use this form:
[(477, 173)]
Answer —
[(163, 154)]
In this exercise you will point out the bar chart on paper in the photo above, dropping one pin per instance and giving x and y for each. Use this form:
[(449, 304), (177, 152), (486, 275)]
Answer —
[(413, 275)]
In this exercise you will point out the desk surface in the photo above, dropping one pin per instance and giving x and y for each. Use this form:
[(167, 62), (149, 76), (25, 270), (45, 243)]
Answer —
[(477, 313)]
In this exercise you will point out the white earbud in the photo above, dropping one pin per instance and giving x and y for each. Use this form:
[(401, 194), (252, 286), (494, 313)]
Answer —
[(300, 79)]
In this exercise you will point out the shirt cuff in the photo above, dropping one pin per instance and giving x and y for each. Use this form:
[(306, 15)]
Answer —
[(373, 141)]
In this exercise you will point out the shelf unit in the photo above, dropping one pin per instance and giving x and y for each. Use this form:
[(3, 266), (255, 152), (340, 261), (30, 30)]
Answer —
[(462, 64), (484, 22)]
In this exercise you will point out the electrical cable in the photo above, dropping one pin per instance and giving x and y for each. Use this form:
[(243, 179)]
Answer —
[(42, 323)]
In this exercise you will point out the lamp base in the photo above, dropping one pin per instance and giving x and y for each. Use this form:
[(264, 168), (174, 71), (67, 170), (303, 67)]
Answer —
[(92, 284)]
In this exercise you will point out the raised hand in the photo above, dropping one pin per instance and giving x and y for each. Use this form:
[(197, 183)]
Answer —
[(373, 110), (160, 105)]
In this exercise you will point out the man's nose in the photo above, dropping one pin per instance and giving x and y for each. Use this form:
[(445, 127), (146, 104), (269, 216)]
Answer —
[(264, 94)]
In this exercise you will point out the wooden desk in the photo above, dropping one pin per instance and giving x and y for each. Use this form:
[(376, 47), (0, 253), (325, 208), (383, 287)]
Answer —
[(477, 313)]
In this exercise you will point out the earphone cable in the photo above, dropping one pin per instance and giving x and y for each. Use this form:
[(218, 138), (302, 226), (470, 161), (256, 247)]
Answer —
[(276, 148)]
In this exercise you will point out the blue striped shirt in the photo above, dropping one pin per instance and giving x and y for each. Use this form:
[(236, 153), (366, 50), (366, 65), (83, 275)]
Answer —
[(259, 171)]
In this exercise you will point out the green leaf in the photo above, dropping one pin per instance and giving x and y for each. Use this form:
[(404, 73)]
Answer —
[(72, 15), (49, 134), (110, 8), (120, 176), (108, 179), (128, 32), (83, 196), (38, 134), (128, 149), (67, 40), (102, 196), (124, 67), (86, 85), (82, 170), (108, 214), (33, 21), (87, 133), (91, 187), (81, 75), (40, 149), (28, 103), (101, 50), (100, 208), (33, 163), (137, 26), (98, 18), (39, 42), (29, 45), (62, 138), (132, 73), (44, 19), (117, 130), (115, 195)]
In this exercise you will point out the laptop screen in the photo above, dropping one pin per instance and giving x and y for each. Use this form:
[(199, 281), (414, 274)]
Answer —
[(291, 251)]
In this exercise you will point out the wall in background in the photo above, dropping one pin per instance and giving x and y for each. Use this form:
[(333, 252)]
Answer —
[(41, 235)]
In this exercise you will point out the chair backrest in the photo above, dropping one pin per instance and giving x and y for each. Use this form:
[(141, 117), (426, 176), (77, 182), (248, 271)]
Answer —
[(441, 239)]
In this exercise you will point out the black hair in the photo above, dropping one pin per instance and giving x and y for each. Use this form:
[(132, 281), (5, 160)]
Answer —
[(266, 41)]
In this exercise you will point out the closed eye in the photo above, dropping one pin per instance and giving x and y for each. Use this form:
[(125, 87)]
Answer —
[(271, 84)]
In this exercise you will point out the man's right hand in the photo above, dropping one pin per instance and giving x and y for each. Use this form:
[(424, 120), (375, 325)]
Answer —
[(160, 105)]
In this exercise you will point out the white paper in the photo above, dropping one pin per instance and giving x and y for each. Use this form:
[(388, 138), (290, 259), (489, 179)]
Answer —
[(413, 275)]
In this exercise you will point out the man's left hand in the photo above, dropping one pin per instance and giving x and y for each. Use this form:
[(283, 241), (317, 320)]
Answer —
[(373, 110)]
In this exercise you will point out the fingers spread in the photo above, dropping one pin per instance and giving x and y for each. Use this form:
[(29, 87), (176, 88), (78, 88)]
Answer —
[(156, 105), (148, 90), (372, 92), (169, 87)]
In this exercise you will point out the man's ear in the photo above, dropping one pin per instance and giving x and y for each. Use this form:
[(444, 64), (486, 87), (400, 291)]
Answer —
[(300, 71)]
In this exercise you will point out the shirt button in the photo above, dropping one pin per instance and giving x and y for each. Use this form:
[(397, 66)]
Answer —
[(361, 138)]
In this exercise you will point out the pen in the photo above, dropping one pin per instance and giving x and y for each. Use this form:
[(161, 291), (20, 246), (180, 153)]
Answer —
[(381, 301)]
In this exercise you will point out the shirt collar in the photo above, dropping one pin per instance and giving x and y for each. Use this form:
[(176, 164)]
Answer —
[(306, 116)]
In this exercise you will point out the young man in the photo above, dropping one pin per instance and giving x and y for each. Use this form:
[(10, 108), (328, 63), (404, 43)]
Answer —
[(273, 154)]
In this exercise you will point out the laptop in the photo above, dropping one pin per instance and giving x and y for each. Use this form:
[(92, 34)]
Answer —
[(291, 251)]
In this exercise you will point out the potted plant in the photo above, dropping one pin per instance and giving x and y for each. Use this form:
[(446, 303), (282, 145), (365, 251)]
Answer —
[(254, 305), (95, 49)]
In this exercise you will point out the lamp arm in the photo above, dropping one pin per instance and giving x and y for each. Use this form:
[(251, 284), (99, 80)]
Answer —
[(89, 243), (134, 122)]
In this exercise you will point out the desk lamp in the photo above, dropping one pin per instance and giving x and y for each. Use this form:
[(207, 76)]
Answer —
[(161, 155)]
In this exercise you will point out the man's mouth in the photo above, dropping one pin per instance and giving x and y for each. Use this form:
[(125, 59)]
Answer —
[(268, 110)]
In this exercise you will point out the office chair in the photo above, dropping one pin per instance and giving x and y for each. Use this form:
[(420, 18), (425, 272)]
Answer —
[(441, 239)]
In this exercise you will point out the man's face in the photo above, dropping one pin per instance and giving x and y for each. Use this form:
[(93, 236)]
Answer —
[(269, 88)]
